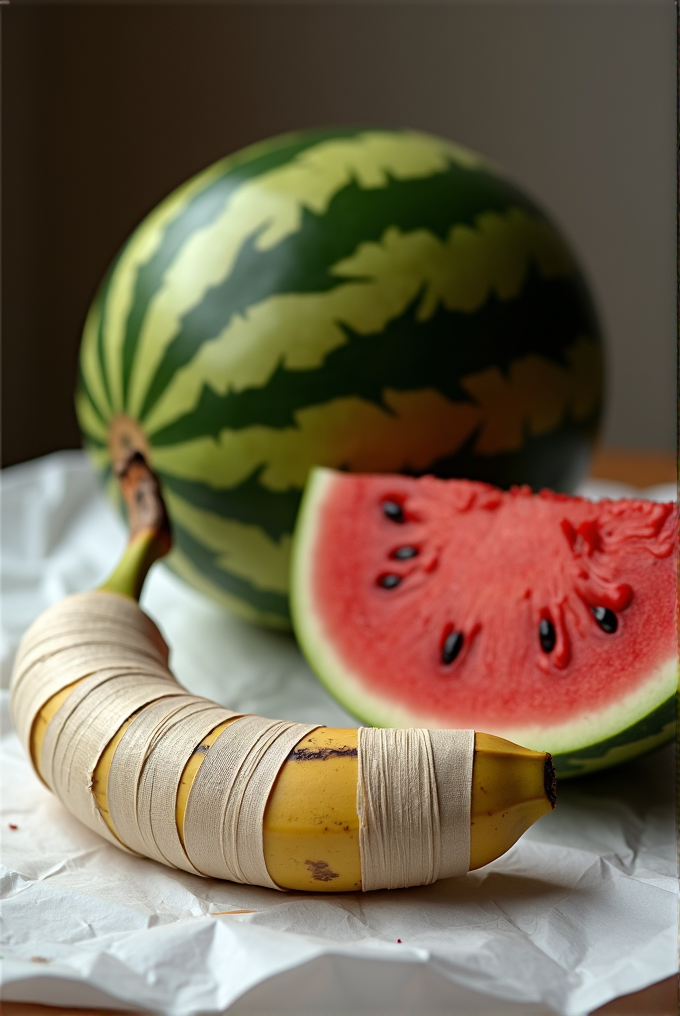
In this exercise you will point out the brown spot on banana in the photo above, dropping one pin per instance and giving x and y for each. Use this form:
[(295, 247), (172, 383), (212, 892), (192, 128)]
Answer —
[(320, 871), (301, 754)]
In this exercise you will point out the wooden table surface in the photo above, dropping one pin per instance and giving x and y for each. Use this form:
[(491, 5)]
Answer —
[(642, 469), (657, 1000)]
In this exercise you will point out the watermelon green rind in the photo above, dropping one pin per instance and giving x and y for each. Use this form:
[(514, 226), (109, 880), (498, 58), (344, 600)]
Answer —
[(305, 263), (368, 363), (208, 579), (207, 195), (236, 592), (639, 721), (562, 465), (303, 269), (653, 731), (328, 284), (248, 502)]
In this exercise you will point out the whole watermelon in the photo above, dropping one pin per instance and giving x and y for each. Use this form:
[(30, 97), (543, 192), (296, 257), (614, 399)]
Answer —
[(370, 300)]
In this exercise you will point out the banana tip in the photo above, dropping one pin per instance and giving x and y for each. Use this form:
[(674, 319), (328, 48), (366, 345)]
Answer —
[(550, 780)]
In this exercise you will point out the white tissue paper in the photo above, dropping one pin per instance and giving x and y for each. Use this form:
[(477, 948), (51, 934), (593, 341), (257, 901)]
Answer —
[(583, 909)]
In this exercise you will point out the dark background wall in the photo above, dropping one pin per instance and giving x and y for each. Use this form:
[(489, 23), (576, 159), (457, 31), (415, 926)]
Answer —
[(106, 108)]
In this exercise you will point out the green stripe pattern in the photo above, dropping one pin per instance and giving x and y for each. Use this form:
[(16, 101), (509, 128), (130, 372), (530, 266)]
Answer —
[(649, 733), (363, 299)]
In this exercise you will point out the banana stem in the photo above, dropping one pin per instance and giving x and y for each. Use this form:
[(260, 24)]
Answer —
[(150, 534)]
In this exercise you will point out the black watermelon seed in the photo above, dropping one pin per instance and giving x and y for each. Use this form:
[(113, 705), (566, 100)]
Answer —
[(404, 553), (452, 646), (393, 510), (546, 633), (389, 581), (606, 619)]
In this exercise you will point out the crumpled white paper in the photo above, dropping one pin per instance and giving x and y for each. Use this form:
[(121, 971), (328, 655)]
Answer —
[(581, 910)]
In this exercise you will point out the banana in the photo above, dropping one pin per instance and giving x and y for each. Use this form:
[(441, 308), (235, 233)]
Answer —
[(310, 827)]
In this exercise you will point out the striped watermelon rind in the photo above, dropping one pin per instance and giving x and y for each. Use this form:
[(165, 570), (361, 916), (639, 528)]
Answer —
[(654, 730), (374, 300)]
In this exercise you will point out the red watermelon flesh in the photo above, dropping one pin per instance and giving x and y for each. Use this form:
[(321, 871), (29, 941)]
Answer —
[(544, 618)]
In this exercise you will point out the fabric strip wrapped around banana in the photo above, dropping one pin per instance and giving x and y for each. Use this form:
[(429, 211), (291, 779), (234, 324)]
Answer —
[(178, 778)]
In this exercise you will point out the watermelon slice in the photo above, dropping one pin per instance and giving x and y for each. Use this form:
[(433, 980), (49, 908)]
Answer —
[(546, 619)]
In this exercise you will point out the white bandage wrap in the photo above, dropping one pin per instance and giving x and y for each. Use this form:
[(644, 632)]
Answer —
[(413, 799), (146, 772), (413, 790), (226, 806), (119, 659)]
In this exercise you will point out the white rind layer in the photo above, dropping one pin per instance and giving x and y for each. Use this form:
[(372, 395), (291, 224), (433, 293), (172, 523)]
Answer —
[(346, 686)]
